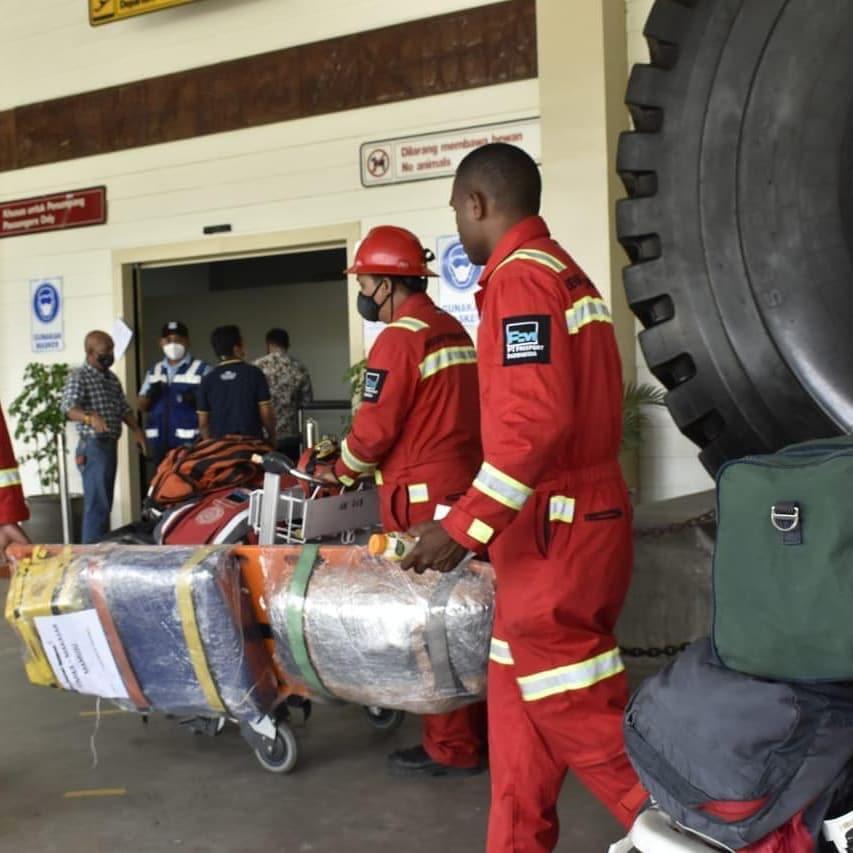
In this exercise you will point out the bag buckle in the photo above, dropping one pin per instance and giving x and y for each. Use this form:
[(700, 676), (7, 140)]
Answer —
[(785, 517), (783, 521)]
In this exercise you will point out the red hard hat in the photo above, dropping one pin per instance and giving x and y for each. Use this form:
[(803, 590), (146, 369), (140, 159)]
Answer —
[(388, 250)]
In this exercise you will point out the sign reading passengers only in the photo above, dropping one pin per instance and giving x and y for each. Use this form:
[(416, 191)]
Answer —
[(71, 209), (106, 11)]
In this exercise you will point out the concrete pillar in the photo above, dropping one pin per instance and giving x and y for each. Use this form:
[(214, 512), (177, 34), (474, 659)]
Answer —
[(583, 70)]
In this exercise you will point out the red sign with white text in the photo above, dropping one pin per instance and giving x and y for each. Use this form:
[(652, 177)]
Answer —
[(72, 209)]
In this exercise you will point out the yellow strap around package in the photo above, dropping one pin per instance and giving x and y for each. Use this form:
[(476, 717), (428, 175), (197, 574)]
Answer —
[(36, 590), (192, 636)]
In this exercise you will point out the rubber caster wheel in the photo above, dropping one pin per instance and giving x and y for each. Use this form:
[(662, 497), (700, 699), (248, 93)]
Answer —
[(384, 719), (280, 755)]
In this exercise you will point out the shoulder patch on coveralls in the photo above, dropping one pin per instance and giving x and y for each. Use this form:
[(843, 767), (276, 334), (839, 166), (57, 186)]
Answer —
[(373, 382), (527, 339)]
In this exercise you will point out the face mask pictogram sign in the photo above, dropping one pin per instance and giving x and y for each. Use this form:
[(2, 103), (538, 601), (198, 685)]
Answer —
[(458, 283), (46, 310)]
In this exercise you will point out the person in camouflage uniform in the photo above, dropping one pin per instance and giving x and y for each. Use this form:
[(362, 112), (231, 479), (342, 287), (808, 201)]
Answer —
[(290, 387)]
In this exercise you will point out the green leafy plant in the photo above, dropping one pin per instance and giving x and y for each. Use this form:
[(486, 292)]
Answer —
[(355, 377), (40, 419), (635, 398)]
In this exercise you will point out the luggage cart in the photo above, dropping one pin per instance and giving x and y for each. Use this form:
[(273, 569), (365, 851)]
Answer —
[(292, 515), (655, 832), (295, 515)]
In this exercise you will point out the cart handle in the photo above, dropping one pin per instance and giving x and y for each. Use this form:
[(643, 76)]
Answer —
[(277, 463)]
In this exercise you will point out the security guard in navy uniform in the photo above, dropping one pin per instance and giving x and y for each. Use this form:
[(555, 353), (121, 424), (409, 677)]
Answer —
[(168, 394)]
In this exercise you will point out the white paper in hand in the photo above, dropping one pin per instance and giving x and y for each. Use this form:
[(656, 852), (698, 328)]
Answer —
[(122, 336)]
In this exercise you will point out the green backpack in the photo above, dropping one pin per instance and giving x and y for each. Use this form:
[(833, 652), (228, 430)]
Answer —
[(783, 563)]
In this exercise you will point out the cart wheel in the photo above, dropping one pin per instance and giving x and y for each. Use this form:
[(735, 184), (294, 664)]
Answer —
[(279, 756), (207, 726), (384, 719)]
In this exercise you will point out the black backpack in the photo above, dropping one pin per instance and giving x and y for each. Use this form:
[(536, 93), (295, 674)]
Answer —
[(733, 757)]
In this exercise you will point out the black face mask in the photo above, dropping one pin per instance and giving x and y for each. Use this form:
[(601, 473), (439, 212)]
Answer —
[(106, 361), (368, 308)]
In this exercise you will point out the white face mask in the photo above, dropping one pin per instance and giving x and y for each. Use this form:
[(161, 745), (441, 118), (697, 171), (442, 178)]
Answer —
[(174, 352)]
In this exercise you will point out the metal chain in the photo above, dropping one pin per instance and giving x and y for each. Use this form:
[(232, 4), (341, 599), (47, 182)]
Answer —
[(708, 517), (652, 651), (671, 650)]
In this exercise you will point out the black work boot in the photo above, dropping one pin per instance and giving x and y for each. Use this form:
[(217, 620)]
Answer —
[(416, 762)]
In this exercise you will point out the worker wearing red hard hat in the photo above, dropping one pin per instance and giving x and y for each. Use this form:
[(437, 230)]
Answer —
[(551, 505), (417, 431), (13, 509)]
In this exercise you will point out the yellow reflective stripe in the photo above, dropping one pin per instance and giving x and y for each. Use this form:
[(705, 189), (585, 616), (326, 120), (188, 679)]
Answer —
[(9, 477), (418, 493), (353, 462), (410, 323), (576, 676), (480, 531), (377, 476), (347, 481), (536, 255), (501, 487), (561, 508), (590, 309), (192, 635), (447, 357), (500, 652)]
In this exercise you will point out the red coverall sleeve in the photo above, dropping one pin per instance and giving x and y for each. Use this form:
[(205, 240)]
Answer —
[(12, 506), (526, 385), (390, 381)]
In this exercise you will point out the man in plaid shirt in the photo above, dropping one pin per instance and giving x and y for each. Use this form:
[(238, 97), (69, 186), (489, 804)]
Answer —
[(93, 397)]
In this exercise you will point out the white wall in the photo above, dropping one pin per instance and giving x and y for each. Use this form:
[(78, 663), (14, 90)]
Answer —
[(48, 49), (669, 463)]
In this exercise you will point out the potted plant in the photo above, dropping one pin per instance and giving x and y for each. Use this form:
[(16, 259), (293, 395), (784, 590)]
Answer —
[(636, 397), (39, 420)]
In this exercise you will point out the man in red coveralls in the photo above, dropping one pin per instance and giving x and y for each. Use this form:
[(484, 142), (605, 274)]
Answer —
[(12, 506), (551, 505), (418, 432)]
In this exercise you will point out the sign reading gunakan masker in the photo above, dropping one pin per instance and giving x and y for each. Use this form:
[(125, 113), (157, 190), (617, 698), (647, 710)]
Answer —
[(72, 209), (107, 11)]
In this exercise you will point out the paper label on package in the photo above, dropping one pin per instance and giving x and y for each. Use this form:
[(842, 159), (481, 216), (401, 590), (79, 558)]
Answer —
[(79, 654)]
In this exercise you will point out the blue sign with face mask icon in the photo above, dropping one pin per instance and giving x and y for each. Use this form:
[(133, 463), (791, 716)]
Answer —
[(458, 282), (46, 325), (456, 267)]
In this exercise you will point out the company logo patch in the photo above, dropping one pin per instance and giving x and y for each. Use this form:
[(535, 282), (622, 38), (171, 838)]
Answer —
[(373, 382), (527, 340)]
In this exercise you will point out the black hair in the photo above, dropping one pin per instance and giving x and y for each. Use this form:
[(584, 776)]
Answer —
[(507, 173), (413, 283), (225, 339), (278, 338)]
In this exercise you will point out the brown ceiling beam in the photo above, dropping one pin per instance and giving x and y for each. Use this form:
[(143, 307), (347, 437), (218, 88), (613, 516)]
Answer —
[(432, 56)]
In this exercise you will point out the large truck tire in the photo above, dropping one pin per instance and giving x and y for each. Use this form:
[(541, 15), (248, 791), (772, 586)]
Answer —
[(739, 217)]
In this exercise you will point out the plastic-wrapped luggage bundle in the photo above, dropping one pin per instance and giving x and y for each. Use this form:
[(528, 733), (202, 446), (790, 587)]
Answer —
[(354, 627), (150, 628)]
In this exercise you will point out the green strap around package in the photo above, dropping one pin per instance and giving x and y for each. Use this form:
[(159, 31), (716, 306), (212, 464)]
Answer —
[(308, 560)]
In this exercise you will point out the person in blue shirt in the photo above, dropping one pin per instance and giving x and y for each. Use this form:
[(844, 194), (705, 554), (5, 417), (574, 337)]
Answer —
[(168, 395), (234, 398)]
